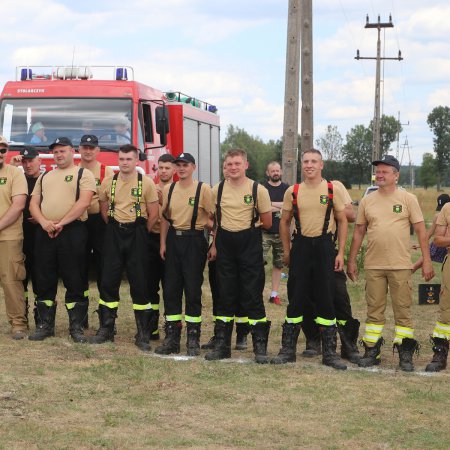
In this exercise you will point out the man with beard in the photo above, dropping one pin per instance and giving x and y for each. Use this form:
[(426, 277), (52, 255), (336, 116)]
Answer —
[(271, 237), (13, 194)]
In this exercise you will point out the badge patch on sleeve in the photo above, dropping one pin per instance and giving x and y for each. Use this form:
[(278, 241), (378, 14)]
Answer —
[(68, 178), (3, 180), (324, 199), (191, 201), (397, 209), (248, 199)]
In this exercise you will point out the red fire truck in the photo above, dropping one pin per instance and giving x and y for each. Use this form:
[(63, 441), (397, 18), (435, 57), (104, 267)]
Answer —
[(48, 102)]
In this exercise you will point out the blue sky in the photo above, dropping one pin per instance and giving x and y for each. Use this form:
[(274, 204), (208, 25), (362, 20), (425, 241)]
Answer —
[(232, 54)]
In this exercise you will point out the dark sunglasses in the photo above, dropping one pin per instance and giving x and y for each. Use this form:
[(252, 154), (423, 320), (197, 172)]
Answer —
[(3, 150)]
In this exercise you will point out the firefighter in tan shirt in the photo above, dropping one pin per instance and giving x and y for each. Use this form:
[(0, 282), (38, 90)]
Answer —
[(242, 208), (386, 215), (13, 195), (129, 205), (315, 205), (59, 203), (441, 332), (89, 149), (187, 209)]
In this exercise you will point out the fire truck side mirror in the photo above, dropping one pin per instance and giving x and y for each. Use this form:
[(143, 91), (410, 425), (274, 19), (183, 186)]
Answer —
[(162, 122), (142, 156)]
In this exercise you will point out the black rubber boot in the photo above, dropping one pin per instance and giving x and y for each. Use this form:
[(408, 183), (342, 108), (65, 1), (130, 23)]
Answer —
[(171, 343), (45, 316), (312, 335), (330, 358), (405, 352), (260, 336), (210, 344), (349, 338), (439, 361), (105, 333), (154, 323), (142, 337), (77, 315), (85, 323), (289, 339), (222, 341), (242, 330), (372, 355), (193, 331)]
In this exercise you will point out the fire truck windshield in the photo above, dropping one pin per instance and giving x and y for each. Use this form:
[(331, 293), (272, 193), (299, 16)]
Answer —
[(39, 121)]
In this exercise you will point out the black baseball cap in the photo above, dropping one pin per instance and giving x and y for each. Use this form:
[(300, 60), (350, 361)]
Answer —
[(442, 200), (63, 141), (185, 157), (29, 153), (89, 140), (389, 160)]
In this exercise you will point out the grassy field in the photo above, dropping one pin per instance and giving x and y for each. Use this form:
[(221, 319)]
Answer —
[(60, 395)]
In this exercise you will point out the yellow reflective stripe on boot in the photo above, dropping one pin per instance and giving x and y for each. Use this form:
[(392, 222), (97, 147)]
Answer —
[(214, 318), (110, 305), (401, 333), (442, 330), (146, 307), (86, 293), (341, 322), (174, 318), (155, 306), (293, 319), (193, 319), (70, 306), (26, 295), (48, 303), (255, 321), (325, 322), (225, 318), (241, 319), (372, 333)]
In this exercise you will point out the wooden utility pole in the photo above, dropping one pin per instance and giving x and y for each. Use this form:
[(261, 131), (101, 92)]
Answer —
[(377, 118), (307, 76), (291, 95)]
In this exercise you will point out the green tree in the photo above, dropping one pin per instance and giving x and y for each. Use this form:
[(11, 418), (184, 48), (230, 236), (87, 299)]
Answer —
[(428, 171), (330, 143), (439, 123), (389, 130), (357, 151)]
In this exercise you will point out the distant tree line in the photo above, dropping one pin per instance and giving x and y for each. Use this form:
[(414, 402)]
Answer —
[(349, 160)]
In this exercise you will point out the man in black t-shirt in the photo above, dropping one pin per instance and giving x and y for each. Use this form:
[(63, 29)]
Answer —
[(271, 237)]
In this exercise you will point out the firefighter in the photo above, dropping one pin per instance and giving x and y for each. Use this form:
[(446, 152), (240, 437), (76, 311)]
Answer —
[(59, 204), (13, 195), (156, 275), (129, 206), (89, 149), (187, 208), (271, 237), (31, 163), (387, 214), (441, 332), (348, 326), (242, 208), (316, 205)]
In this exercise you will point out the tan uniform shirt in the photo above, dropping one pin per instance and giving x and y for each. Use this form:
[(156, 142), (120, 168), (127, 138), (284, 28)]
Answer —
[(237, 205), (126, 196), (443, 217), (182, 205), (94, 207), (58, 189), (12, 183), (388, 218), (312, 202)]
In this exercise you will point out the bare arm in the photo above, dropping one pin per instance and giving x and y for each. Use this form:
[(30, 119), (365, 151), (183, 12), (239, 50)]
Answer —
[(164, 228), (350, 213), (276, 206), (341, 220), (14, 211), (266, 220), (358, 236), (427, 267), (285, 234), (153, 214), (441, 237), (104, 206)]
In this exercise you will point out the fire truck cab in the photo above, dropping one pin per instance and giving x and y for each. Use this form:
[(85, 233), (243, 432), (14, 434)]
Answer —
[(48, 102)]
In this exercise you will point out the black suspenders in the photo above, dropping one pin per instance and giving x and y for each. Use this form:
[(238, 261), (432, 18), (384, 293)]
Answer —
[(137, 203)]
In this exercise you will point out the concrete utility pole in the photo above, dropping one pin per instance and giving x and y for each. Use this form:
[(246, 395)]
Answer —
[(397, 155), (291, 95), (377, 119), (307, 76)]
